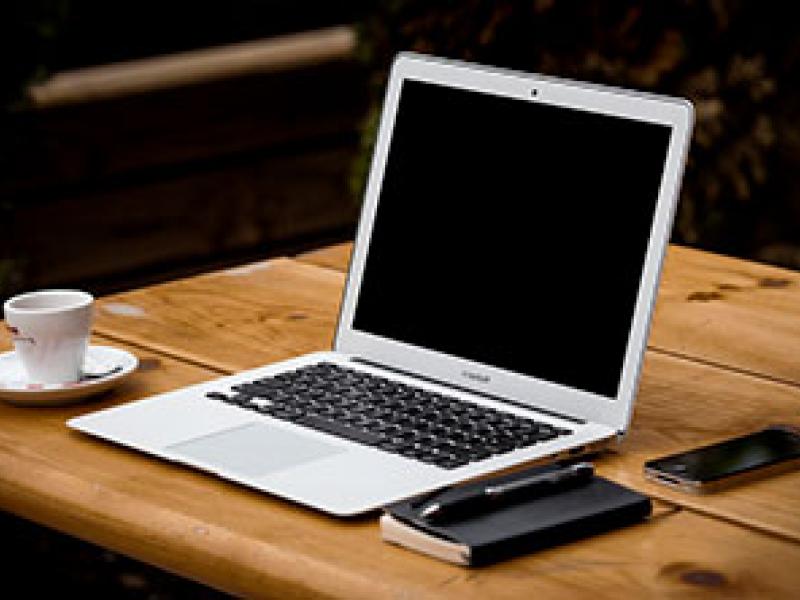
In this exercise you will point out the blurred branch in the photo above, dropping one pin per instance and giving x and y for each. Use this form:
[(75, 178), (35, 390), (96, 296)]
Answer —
[(196, 66)]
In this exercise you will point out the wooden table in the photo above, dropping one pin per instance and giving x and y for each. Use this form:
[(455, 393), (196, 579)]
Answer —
[(723, 359)]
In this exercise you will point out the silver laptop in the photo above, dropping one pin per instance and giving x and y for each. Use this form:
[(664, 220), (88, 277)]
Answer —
[(496, 310)]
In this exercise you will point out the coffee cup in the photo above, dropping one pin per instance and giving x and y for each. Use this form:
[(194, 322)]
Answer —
[(50, 330)]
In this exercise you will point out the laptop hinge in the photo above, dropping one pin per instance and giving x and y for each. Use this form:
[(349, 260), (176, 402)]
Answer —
[(544, 411)]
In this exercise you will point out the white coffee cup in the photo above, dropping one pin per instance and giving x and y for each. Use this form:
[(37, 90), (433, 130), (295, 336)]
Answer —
[(50, 329)]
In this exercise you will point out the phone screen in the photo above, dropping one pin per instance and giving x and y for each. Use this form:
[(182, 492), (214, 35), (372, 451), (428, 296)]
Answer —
[(732, 457)]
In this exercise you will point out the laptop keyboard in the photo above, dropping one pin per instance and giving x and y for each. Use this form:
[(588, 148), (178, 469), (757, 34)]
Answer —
[(388, 415)]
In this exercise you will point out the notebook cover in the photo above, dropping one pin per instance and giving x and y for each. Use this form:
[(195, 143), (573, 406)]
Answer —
[(598, 506)]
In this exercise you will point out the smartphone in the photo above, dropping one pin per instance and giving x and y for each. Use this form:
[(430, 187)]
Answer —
[(772, 450)]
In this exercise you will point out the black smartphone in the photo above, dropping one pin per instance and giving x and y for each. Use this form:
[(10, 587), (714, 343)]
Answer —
[(774, 449)]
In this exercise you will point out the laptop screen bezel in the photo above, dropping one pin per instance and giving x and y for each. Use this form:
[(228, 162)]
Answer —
[(517, 387)]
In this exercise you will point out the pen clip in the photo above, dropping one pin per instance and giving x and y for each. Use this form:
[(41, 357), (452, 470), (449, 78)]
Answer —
[(425, 498)]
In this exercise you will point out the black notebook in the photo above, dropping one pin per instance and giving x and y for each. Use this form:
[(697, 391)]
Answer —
[(599, 505)]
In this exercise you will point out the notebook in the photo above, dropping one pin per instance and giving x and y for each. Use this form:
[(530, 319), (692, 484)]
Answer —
[(600, 505)]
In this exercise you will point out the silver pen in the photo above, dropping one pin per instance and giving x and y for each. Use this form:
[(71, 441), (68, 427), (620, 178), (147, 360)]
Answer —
[(495, 495)]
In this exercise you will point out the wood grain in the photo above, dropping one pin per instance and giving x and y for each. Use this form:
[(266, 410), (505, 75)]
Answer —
[(683, 404), (732, 313), (253, 545), (231, 320), (247, 317), (335, 256)]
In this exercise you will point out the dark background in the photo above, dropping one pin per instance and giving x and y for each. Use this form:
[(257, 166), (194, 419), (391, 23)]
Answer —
[(115, 193), (174, 181), (109, 193), (737, 61)]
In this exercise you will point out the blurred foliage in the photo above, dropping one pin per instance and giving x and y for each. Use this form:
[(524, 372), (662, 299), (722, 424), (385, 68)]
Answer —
[(738, 61)]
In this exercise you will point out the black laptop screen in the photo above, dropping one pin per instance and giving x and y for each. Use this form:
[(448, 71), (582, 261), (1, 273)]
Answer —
[(512, 233)]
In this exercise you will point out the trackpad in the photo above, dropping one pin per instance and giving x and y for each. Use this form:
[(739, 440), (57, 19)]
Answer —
[(255, 449)]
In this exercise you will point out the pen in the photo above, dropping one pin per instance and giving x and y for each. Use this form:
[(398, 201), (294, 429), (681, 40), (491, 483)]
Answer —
[(492, 496)]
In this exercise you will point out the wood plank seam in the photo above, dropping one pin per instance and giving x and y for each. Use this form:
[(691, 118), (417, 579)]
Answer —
[(102, 333), (654, 348), (724, 367), (696, 509), (269, 314)]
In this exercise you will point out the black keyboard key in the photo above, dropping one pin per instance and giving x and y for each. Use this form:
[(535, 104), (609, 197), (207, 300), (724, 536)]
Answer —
[(500, 446), (340, 430), (452, 462), (240, 399), (391, 445), (478, 454)]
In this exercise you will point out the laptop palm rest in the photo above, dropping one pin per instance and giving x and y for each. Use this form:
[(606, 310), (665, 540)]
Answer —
[(254, 450)]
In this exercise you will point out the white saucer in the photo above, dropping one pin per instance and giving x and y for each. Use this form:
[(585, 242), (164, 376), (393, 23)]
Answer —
[(105, 367)]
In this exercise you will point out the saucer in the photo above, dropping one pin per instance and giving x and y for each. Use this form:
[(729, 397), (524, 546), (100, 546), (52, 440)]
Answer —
[(104, 368)]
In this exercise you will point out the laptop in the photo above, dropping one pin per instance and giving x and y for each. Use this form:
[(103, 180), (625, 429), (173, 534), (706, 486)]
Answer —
[(496, 309)]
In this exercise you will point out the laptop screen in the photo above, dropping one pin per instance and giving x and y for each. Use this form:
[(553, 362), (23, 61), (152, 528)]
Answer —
[(512, 233)]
